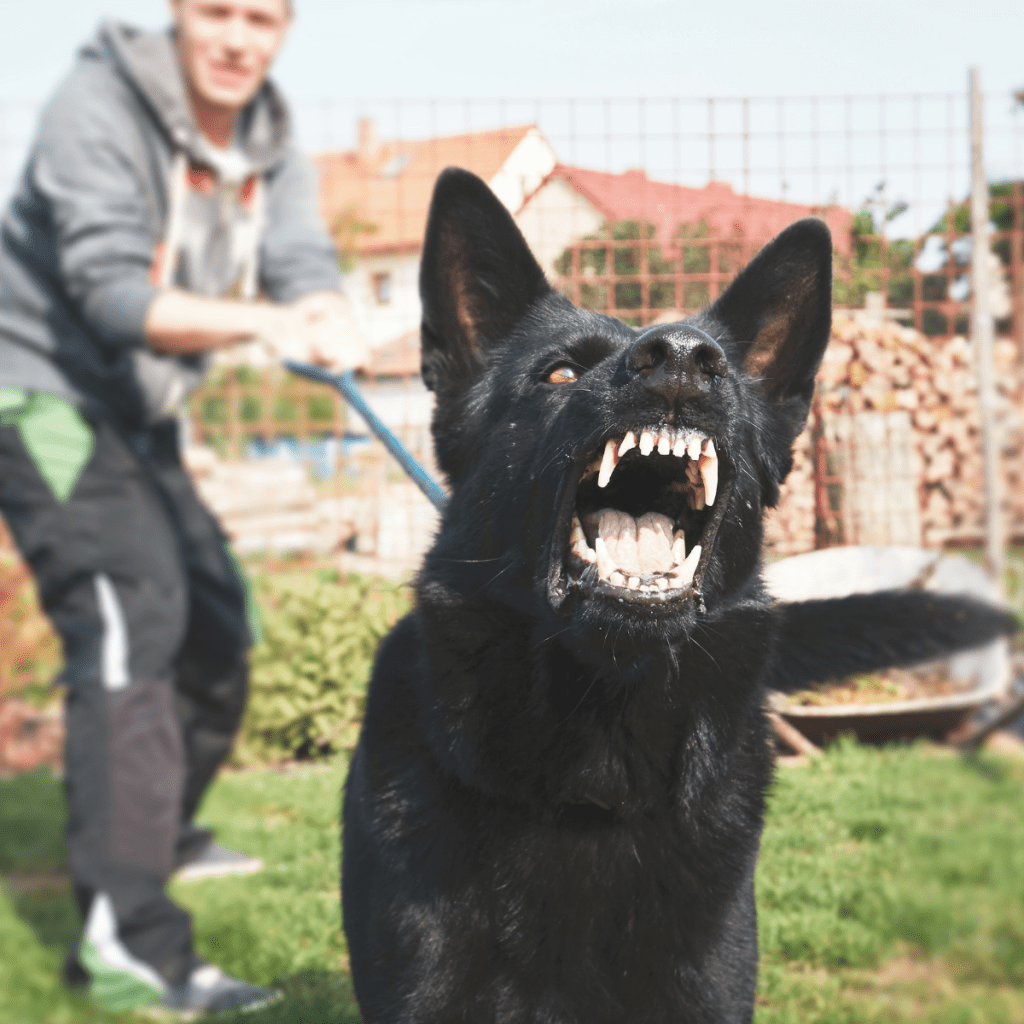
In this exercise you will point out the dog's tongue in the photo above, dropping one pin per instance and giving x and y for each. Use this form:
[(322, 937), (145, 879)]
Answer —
[(637, 547)]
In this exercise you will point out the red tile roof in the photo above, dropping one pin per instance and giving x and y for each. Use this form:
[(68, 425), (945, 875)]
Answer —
[(634, 196), (375, 198)]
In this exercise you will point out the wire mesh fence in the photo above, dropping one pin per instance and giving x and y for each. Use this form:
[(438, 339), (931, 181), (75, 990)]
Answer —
[(646, 209)]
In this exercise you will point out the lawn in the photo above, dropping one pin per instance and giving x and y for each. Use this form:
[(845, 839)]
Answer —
[(891, 890)]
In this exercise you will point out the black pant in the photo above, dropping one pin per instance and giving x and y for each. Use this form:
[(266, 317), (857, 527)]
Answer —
[(136, 576)]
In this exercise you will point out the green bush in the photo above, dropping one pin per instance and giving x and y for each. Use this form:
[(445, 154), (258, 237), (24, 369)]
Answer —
[(311, 667)]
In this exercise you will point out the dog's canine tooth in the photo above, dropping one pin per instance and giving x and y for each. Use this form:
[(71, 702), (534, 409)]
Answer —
[(611, 457), (709, 472), (629, 441), (693, 446), (646, 442), (689, 567), (678, 548), (679, 447), (617, 579), (605, 564), (664, 444)]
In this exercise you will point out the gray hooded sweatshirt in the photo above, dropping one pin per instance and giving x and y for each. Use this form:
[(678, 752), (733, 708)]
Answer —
[(121, 195)]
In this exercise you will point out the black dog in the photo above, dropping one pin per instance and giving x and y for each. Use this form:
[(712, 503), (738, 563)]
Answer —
[(554, 810)]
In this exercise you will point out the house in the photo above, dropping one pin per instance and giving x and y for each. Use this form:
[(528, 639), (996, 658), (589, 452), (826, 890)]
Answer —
[(375, 200), (573, 203)]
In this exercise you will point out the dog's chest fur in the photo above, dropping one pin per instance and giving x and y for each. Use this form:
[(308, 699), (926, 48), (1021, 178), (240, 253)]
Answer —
[(593, 873)]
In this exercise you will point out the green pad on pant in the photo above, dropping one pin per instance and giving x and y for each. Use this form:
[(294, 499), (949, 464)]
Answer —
[(56, 437)]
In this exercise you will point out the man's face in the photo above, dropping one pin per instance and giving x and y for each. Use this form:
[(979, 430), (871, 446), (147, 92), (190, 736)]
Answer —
[(227, 46)]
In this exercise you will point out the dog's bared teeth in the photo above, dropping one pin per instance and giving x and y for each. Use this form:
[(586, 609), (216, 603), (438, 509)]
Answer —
[(633, 582), (664, 444), (646, 442), (605, 565), (628, 442), (678, 547), (611, 457), (617, 579), (662, 583), (679, 447), (709, 472), (689, 567), (578, 542), (693, 446)]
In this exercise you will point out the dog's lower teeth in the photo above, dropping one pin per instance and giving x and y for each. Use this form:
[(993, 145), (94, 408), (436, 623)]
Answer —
[(617, 579)]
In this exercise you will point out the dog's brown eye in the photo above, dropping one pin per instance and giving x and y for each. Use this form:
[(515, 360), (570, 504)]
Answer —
[(563, 375)]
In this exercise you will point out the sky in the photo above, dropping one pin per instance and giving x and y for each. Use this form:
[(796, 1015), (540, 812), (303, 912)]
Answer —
[(460, 48), (342, 52)]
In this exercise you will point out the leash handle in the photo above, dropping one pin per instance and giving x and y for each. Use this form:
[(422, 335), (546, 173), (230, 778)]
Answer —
[(346, 385)]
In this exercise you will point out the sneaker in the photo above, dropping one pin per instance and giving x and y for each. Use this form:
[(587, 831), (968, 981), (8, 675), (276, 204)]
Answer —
[(215, 861), (192, 841), (209, 990)]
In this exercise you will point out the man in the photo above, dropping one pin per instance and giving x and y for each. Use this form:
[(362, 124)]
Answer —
[(162, 192)]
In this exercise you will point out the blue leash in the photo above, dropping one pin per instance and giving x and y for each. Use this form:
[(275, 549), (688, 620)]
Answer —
[(345, 384)]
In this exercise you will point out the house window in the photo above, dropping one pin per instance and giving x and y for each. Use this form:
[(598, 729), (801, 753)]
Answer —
[(382, 289)]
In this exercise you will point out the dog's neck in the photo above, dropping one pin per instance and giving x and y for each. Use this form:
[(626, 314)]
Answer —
[(533, 717)]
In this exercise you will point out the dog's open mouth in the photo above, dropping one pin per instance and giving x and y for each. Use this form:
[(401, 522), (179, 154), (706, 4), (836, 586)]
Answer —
[(644, 514)]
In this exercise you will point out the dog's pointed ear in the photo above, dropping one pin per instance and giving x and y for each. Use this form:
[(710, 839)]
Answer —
[(778, 313), (477, 276)]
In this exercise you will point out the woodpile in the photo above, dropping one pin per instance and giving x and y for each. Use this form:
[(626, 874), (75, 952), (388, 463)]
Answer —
[(896, 375), (265, 505), (272, 505)]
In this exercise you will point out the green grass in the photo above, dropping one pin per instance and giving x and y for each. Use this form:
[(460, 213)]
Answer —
[(891, 890)]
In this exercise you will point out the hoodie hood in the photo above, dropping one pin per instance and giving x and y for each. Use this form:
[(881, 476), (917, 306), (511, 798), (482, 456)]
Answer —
[(148, 62)]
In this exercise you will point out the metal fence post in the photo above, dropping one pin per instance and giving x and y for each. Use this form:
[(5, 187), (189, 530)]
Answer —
[(982, 335)]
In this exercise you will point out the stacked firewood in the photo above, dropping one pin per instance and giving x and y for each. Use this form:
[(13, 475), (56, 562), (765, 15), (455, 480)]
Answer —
[(890, 369)]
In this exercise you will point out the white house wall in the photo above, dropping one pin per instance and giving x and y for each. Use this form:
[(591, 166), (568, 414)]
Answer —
[(524, 169), (554, 217), (397, 404), (385, 322)]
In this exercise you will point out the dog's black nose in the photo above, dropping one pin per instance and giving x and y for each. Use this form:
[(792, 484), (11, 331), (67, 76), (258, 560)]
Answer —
[(677, 361)]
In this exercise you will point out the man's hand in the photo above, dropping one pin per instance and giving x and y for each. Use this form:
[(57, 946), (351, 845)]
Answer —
[(318, 328)]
